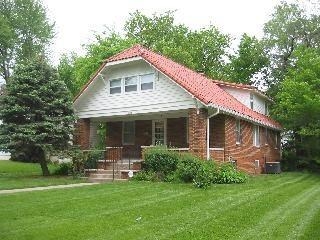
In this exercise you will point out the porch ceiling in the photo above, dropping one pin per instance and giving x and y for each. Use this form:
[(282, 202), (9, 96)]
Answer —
[(148, 116)]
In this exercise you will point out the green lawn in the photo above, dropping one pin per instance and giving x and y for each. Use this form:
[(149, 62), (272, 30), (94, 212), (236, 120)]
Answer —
[(285, 206), (22, 175)]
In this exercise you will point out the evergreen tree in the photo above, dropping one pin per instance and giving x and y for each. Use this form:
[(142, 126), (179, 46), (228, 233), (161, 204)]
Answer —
[(36, 112)]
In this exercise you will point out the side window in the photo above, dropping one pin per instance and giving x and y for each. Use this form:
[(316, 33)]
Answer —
[(115, 86), (256, 136), (130, 84), (147, 81), (251, 101), (266, 136)]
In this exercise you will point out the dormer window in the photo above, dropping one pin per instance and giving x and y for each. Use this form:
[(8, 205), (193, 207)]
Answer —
[(251, 101), (130, 84), (147, 81), (115, 86)]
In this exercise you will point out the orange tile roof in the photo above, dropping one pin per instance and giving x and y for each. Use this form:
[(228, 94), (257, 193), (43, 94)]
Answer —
[(204, 89)]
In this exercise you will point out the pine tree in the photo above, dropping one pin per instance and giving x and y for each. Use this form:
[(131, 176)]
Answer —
[(36, 112)]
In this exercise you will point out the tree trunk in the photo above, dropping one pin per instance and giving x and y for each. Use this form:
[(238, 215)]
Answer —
[(41, 156)]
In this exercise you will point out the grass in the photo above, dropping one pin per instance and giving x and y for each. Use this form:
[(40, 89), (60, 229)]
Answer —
[(285, 206), (22, 175)]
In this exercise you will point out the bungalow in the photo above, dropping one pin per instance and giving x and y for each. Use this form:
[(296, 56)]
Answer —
[(147, 99)]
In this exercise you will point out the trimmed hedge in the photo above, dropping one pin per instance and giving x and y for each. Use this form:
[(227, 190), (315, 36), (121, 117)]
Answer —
[(169, 166), (160, 160)]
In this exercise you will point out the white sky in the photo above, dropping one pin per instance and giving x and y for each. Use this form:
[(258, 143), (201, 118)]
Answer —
[(77, 20)]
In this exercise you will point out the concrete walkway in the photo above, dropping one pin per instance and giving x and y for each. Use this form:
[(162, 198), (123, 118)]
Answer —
[(45, 188)]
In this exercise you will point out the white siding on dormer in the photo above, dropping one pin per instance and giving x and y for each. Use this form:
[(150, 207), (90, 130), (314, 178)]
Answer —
[(166, 95), (258, 105), (243, 96)]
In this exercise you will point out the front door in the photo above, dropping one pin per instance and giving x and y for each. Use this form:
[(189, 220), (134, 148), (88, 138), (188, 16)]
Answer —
[(159, 135)]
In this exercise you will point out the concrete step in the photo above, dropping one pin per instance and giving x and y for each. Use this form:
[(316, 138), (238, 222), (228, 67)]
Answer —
[(104, 175), (101, 180)]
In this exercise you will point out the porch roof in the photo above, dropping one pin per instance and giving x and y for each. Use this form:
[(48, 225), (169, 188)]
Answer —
[(199, 86)]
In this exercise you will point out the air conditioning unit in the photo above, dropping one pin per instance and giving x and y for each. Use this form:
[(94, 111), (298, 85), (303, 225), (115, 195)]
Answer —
[(272, 167)]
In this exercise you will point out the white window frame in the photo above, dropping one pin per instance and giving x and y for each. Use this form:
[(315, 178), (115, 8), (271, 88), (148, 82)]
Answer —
[(266, 108), (140, 82), (129, 85), (165, 131), (123, 132), (238, 131), (251, 101), (276, 140), (115, 79), (123, 84), (266, 136), (256, 136)]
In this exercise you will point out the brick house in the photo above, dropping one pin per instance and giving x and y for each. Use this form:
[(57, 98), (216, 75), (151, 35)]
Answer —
[(147, 99)]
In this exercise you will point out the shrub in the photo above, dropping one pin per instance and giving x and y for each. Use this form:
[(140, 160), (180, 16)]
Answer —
[(188, 167), (228, 174), (92, 158), (63, 169), (161, 160), (205, 175), (145, 176)]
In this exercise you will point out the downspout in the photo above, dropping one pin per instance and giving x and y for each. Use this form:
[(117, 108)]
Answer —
[(208, 131)]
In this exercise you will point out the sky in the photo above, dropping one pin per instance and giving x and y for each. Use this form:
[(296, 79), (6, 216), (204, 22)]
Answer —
[(76, 21)]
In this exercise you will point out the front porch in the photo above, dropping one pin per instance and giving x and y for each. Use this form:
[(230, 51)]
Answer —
[(179, 130)]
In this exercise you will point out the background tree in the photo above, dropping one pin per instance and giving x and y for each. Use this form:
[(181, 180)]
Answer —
[(25, 31), (36, 111), (289, 27), (298, 105), (75, 70), (249, 61)]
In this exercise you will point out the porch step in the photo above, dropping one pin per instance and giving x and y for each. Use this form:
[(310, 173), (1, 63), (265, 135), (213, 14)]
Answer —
[(104, 175), (101, 180)]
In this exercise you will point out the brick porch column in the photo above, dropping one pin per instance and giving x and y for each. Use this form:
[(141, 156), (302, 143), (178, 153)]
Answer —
[(197, 131), (82, 133)]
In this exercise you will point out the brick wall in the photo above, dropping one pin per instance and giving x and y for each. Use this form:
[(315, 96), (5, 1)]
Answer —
[(245, 153), (217, 131), (82, 133), (197, 131), (177, 132)]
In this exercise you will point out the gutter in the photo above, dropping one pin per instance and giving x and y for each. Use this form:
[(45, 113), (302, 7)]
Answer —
[(208, 131)]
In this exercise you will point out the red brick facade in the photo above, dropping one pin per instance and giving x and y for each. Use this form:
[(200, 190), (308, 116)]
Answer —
[(82, 133), (197, 131), (192, 132), (245, 153)]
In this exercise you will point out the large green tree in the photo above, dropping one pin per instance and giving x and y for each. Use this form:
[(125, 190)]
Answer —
[(203, 50), (25, 31), (75, 70), (249, 61), (290, 26), (298, 103), (36, 111)]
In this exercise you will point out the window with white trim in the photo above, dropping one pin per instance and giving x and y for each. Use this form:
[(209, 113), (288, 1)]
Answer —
[(238, 131), (256, 136), (276, 140), (159, 132), (146, 81), (251, 101), (131, 84), (266, 136), (128, 133), (115, 86)]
